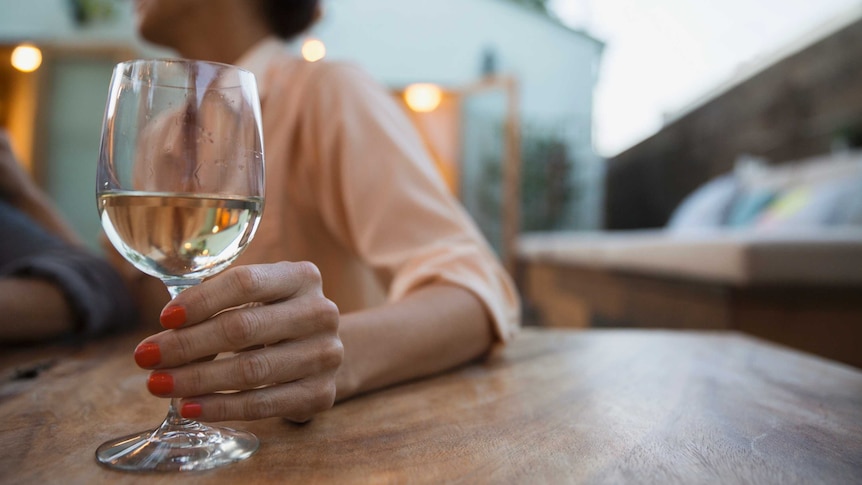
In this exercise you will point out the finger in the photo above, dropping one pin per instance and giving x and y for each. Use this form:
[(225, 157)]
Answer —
[(297, 401), (239, 329), (238, 286), (285, 362)]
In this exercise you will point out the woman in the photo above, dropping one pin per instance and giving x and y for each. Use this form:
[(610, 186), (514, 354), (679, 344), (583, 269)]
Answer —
[(351, 192)]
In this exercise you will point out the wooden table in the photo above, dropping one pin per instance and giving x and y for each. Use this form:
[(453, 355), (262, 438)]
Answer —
[(556, 406)]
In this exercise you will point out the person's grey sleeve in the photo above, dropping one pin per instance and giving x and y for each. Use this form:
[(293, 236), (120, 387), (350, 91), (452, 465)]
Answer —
[(95, 292)]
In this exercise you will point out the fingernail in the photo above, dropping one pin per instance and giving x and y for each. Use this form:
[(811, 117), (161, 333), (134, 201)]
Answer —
[(191, 410), (160, 384), (173, 316), (148, 355)]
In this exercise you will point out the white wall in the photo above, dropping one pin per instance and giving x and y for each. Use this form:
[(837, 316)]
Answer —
[(403, 41), (33, 19), (50, 22)]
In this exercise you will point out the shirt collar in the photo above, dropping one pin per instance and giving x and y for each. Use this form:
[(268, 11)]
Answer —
[(257, 60)]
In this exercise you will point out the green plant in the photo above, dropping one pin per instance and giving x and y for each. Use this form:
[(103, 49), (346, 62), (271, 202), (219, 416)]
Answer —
[(540, 5), (546, 184), (546, 181), (87, 11)]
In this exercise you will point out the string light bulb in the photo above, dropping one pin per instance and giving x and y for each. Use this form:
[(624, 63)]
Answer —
[(423, 97), (26, 58), (313, 50)]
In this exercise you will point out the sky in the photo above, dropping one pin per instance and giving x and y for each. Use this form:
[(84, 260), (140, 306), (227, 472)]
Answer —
[(661, 56)]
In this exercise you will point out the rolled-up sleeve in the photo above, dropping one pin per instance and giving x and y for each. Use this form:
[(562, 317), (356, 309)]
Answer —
[(380, 193), (94, 291)]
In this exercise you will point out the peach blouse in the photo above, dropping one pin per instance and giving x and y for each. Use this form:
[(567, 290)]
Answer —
[(350, 188)]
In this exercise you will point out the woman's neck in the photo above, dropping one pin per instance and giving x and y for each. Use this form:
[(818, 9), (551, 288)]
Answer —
[(221, 35)]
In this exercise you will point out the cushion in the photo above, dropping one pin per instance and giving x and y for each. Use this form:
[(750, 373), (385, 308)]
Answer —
[(826, 203), (748, 206), (707, 206), (849, 209), (828, 256)]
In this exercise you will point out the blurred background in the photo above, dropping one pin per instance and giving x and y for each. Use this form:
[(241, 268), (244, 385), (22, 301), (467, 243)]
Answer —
[(542, 115)]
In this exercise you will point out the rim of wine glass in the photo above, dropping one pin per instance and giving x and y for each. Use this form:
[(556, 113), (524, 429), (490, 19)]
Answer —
[(169, 60)]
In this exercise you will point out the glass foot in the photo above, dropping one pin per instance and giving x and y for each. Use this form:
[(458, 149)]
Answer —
[(178, 445)]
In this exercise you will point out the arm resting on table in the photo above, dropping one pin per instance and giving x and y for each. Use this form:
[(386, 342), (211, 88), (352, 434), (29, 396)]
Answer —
[(414, 337), (25, 301)]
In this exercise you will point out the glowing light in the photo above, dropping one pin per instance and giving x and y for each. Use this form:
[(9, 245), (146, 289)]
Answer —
[(215, 229), (422, 97), (26, 58), (313, 50)]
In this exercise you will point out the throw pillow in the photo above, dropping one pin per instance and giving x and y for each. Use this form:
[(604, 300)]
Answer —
[(826, 203), (707, 206), (748, 207)]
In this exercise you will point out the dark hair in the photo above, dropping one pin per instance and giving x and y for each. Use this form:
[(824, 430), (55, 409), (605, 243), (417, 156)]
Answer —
[(289, 18)]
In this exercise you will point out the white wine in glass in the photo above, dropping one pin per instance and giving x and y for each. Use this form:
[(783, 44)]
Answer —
[(180, 193)]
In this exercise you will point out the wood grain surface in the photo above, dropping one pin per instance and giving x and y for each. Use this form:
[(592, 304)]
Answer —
[(556, 406)]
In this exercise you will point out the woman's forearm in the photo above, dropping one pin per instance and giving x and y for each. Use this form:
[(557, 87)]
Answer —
[(434, 329), (33, 309)]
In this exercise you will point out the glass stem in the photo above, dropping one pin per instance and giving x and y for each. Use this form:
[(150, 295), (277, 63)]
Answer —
[(174, 418), (175, 287)]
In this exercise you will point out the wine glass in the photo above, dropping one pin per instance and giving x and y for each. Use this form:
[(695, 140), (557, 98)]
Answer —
[(180, 193)]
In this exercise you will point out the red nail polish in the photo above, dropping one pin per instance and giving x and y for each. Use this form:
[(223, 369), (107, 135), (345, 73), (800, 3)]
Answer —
[(148, 355), (191, 410), (160, 384), (173, 316)]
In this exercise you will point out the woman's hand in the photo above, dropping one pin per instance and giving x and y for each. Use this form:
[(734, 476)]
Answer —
[(285, 352)]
